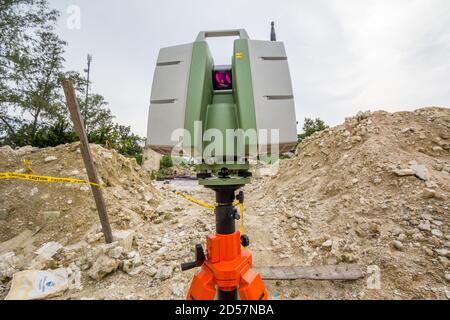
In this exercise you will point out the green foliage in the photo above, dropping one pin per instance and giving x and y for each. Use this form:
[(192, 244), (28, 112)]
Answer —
[(119, 138), (45, 136), (32, 103), (310, 127), (166, 162)]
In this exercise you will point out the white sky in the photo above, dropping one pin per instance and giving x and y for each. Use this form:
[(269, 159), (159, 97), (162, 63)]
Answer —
[(344, 55)]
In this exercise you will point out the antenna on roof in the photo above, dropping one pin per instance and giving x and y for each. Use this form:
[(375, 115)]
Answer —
[(273, 35)]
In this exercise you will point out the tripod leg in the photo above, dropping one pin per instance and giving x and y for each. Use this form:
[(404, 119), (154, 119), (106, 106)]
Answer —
[(252, 287), (203, 286)]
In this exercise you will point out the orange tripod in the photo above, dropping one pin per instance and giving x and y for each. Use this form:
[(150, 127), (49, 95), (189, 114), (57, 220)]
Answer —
[(226, 270)]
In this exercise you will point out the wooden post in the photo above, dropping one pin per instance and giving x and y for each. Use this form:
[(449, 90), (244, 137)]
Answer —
[(75, 114), (333, 272)]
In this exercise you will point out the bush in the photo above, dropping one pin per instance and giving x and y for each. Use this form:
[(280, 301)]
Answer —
[(310, 127), (166, 162)]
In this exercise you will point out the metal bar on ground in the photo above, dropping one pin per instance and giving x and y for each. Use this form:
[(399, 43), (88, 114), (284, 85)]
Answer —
[(331, 272), (75, 114)]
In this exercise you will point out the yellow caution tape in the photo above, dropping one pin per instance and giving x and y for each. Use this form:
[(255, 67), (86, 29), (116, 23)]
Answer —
[(36, 178), (27, 165), (202, 204), (212, 207), (242, 210)]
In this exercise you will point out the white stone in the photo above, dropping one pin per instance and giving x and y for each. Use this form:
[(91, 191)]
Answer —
[(398, 245), (103, 266), (48, 250), (443, 252), (425, 226), (34, 191), (164, 273), (447, 276), (129, 266), (420, 171), (125, 239), (8, 263), (178, 289), (327, 244), (436, 232), (162, 250), (116, 252), (404, 172), (50, 159)]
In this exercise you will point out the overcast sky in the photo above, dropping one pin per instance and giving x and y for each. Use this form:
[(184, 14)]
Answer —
[(344, 55)]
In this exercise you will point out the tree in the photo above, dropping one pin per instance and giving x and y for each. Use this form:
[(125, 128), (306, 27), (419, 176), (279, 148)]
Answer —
[(30, 61), (311, 126), (119, 138), (32, 103)]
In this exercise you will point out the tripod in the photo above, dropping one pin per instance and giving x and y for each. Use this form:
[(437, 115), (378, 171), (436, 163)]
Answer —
[(226, 270)]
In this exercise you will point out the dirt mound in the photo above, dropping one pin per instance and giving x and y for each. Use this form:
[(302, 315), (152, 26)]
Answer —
[(373, 191), (376, 191), (65, 211), (48, 226)]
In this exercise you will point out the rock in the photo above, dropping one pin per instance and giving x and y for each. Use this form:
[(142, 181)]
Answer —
[(46, 216), (48, 250), (404, 172), (103, 266), (398, 245), (134, 260), (85, 188), (34, 191), (3, 214), (106, 155), (428, 193), (74, 277), (447, 276), (356, 139), (24, 150), (125, 239), (420, 171), (164, 273), (94, 237), (425, 226), (295, 293), (443, 252), (408, 130), (162, 251), (445, 262), (438, 233), (116, 252), (178, 289), (327, 244), (152, 271), (8, 265), (377, 180), (50, 159)]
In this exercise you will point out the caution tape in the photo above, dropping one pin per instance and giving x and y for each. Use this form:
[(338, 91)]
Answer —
[(212, 207), (27, 165), (37, 178), (202, 204)]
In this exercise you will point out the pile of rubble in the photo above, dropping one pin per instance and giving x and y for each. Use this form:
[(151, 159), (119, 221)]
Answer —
[(373, 191)]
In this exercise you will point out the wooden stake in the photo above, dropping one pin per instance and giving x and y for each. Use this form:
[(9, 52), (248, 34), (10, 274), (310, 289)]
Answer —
[(333, 272), (75, 114)]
